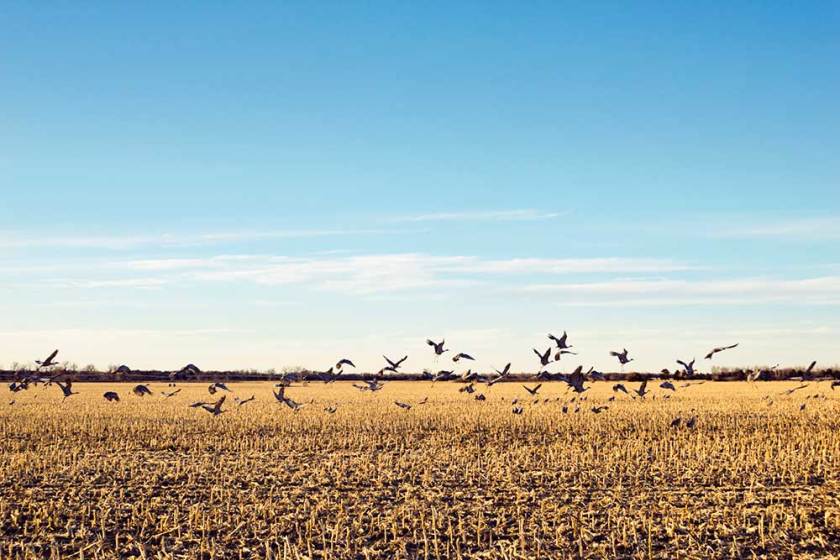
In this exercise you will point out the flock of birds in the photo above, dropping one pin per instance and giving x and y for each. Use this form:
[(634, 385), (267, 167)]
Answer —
[(575, 381)]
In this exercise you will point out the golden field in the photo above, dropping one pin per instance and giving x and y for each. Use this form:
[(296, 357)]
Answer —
[(453, 478)]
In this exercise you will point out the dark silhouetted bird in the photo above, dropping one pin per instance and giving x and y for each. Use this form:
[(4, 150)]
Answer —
[(714, 351), (438, 346), (622, 356), (111, 396)]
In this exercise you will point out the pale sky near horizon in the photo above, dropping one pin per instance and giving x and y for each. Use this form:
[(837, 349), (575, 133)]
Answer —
[(278, 185)]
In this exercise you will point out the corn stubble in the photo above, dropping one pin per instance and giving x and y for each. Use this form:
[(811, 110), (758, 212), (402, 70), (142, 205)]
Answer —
[(452, 478)]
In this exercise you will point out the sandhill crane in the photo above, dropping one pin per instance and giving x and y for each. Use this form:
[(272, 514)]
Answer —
[(835, 384), (468, 389), (675, 423), (622, 356), (596, 375), (518, 410), (811, 367), (599, 409), (280, 395), (469, 375), (691, 423), (443, 375), (216, 408), (423, 401), (240, 402), (504, 371), (791, 391), (642, 390), (404, 406), (199, 404), (667, 385), (802, 407), (212, 389), (49, 362), (141, 390), (561, 342), (393, 365), (480, 397), (328, 376), (170, 394), (533, 392), (222, 386), (619, 387), (714, 351), (66, 388), (545, 357), (111, 396), (344, 362), (688, 367), (559, 354), (438, 346), (462, 356), (576, 379)]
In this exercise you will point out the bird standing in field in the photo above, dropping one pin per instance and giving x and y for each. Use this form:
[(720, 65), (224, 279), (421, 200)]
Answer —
[(141, 390), (720, 349)]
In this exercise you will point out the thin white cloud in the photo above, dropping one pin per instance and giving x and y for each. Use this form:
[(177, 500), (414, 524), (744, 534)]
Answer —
[(797, 229), (522, 215), (12, 240), (742, 291)]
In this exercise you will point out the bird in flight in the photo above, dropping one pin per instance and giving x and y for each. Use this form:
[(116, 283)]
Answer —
[(622, 356), (462, 356), (66, 388), (688, 367), (438, 346), (518, 410), (599, 409), (667, 385), (170, 394), (576, 379), (714, 351), (561, 342), (642, 390), (392, 365), (533, 392), (111, 396), (344, 362), (619, 387), (49, 362), (240, 402), (545, 357), (404, 406), (216, 408)]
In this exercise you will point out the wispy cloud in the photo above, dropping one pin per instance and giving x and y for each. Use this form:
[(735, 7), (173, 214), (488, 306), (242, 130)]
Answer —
[(796, 229), (12, 240), (358, 274), (742, 291), (521, 215)]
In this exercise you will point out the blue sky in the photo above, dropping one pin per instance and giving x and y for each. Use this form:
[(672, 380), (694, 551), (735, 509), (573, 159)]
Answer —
[(268, 186)]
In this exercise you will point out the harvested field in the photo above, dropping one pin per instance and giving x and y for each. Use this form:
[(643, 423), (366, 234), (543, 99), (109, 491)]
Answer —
[(454, 477)]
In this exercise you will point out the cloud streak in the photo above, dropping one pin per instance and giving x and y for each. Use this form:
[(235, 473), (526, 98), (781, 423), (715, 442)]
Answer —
[(521, 215)]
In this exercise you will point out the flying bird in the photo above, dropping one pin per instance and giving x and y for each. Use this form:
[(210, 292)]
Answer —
[(667, 385), (619, 387), (66, 388), (622, 356), (560, 354), (688, 367), (533, 392), (599, 409), (170, 394), (216, 408), (561, 342), (720, 349), (240, 402), (462, 356), (642, 390), (518, 410), (811, 367), (545, 357), (392, 365), (49, 362), (344, 362), (111, 396), (438, 346), (404, 406)]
